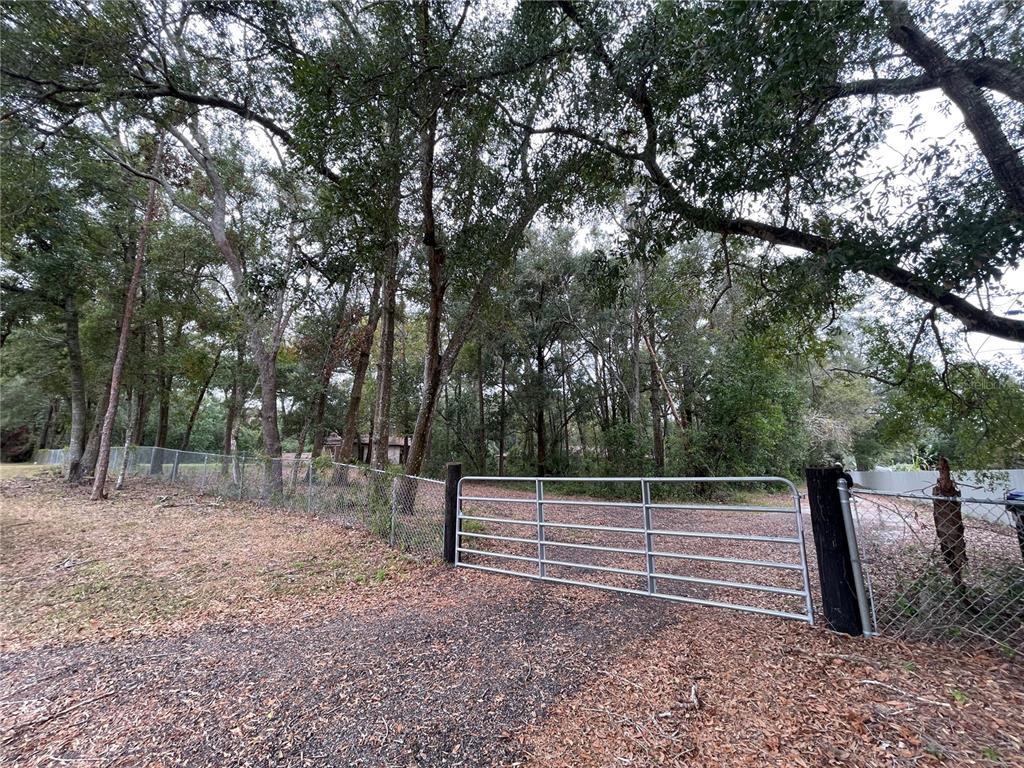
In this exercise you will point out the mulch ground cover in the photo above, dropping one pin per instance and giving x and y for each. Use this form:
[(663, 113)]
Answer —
[(164, 629)]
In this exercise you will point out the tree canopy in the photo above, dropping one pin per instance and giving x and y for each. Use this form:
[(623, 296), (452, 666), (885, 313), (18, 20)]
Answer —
[(645, 236)]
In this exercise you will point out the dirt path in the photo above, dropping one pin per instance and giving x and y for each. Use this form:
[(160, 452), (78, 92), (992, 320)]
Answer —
[(431, 666)]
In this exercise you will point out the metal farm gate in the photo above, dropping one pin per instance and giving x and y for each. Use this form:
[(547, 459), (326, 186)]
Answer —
[(643, 536)]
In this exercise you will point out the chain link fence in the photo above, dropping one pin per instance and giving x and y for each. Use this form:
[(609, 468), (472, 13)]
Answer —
[(405, 511), (51, 457), (943, 568)]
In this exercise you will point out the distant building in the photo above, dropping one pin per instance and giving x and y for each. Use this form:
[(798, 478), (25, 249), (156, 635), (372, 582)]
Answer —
[(398, 447)]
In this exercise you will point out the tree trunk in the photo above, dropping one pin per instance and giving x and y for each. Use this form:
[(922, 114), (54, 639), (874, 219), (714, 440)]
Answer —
[(303, 433), (92, 444), (79, 405), (266, 365), (385, 365), (949, 524), (355, 398), (656, 422), (232, 403), (330, 363), (434, 252), (501, 418), (44, 434), (156, 464), (133, 417), (141, 387), (539, 421), (194, 413), (481, 418), (103, 460)]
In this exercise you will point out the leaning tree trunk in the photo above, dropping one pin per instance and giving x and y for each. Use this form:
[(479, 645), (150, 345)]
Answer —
[(949, 524), (103, 459)]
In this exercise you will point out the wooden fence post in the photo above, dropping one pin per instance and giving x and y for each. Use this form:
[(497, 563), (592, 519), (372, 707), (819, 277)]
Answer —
[(453, 473), (835, 568)]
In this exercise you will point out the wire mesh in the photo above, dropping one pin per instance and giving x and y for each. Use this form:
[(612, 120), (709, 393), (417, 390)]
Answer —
[(405, 511), (50, 456), (943, 568)]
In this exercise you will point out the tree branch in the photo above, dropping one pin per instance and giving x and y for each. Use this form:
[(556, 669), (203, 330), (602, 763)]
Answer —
[(994, 74)]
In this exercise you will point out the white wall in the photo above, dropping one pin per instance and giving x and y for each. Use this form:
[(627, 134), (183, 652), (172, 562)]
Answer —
[(971, 486)]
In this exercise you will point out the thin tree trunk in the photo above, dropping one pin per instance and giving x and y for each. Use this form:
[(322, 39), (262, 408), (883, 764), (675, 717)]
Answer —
[(434, 252), (194, 413), (232, 405), (481, 427), (266, 365), (133, 416), (44, 434), (658, 435), (79, 404), (303, 433), (355, 398), (103, 459), (539, 420), (156, 464), (142, 387), (501, 418), (327, 370), (92, 443), (385, 366)]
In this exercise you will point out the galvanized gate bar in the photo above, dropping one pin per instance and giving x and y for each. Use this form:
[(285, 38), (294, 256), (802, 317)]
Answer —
[(645, 492), (650, 573)]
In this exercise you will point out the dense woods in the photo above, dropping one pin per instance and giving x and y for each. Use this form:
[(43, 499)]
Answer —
[(623, 238)]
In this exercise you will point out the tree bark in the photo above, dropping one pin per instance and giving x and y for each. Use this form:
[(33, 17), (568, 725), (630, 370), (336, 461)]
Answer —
[(501, 418), (92, 444), (265, 334), (539, 422), (232, 403), (385, 365), (44, 433), (481, 419), (156, 464), (141, 386), (355, 397), (133, 416), (658, 437), (79, 404), (330, 363), (103, 459), (194, 413)]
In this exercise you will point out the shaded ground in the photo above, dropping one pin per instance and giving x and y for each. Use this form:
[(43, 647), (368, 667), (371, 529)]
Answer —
[(231, 654), (20, 469)]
